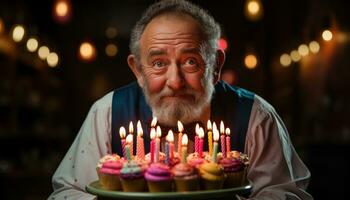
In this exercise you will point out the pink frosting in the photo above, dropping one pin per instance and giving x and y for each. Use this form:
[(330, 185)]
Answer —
[(111, 167)]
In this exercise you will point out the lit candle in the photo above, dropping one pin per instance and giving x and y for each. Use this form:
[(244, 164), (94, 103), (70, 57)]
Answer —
[(152, 136), (201, 142), (157, 144), (222, 139), (122, 133), (228, 141), (131, 131), (167, 150), (179, 138), (216, 145), (184, 142), (170, 139), (128, 146), (210, 137), (140, 147), (196, 139)]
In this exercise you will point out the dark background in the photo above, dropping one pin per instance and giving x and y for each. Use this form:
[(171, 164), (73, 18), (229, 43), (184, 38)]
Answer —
[(42, 108)]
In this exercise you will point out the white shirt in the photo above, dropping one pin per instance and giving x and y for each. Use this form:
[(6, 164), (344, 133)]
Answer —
[(275, 171)]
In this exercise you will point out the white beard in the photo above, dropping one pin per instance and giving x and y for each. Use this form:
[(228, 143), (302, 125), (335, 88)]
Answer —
[(169, 111)]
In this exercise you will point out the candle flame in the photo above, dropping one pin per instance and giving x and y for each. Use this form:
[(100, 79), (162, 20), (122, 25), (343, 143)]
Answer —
[(184, 140), (216, 135), (154, 122), (131, 128), (159, 132), (201, 132), (209, 125), (228, 131), (153, 133), (197, 129), (122, 132), (180, 126), (222, 127), (139, 129), (129, 139), (170, 136), (214, 126)]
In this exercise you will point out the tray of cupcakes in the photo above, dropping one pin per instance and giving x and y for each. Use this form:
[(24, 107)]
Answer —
[(170, 174)]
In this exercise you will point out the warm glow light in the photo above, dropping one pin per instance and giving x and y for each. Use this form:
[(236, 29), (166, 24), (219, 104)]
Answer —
[(87, 51), (229, 76), (131, 128), (2, 26), (170, 136), (253, 7), (314, 47), (111, 32), (18, 33), (209, 126), (52, 59), (154, 122), (139, 129), (197, 129), (122, 132), (227, 131), (214, 126), (180, 126), (184, 140), (222, 127), (32, 44), (61, 8), (295, 56), (129, 139), (250, 61), (222, 44), (153, 133), (253, 10), (43, 52), (111, 50), (285, 60), (159, 132), (327, 35), (216, 134), (201, 132), (303, 50)]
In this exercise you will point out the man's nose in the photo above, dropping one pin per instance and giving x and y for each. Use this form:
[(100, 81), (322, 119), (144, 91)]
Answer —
[(175, 77)]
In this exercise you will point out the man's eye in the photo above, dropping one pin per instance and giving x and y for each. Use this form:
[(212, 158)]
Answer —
[(158, 64), (191, 62)]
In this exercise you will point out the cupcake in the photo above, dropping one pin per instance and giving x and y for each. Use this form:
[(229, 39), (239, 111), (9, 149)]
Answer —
[(186, 178), (234, 170), (132, 177), (108, 170), (245, 159), (212, 176), (194, 160), (159, 178)]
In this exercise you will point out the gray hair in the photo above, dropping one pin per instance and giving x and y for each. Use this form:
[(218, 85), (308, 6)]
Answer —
[(210, 28)]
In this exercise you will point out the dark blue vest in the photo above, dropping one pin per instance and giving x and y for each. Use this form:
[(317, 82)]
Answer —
[(230, 104)]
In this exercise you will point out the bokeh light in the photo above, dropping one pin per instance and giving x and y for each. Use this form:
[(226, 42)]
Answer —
[(285, 60)]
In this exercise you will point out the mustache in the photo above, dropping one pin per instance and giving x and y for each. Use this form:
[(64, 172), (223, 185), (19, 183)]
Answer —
[(167, 92)]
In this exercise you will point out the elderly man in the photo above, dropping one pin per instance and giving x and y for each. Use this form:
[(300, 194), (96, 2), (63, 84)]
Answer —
[(175, 59)]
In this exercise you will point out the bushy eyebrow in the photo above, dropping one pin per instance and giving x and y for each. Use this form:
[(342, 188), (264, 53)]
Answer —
[(190, 50), (157, 52)]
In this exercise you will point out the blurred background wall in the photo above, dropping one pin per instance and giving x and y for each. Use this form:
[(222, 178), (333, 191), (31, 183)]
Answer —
[(58, 57)]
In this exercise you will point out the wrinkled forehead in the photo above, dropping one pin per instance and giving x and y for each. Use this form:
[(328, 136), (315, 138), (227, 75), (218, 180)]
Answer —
[(172, 26)]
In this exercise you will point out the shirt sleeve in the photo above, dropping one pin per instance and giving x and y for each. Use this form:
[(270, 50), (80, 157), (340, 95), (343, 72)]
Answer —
[(275, 170), (78, 167)]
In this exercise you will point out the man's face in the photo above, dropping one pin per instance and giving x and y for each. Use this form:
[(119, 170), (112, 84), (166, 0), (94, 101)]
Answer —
[(173, 71)]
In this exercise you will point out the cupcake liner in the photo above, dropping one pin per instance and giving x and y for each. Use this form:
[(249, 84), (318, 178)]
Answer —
[(244, 176), (212, 184), (160, 186), (133, 185), (183, 185), (109, 181), (233, 179)]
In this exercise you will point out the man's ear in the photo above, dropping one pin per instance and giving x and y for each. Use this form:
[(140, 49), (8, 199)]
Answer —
[(135, 68), (220, 60)]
